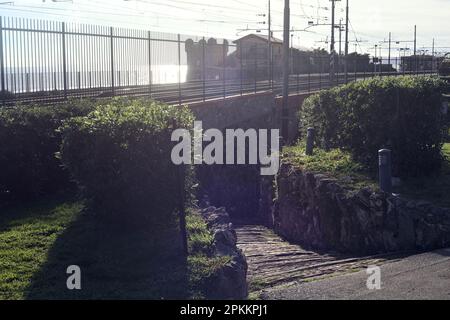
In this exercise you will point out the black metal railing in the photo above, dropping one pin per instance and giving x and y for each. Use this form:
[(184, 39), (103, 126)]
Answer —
[(48, 61)]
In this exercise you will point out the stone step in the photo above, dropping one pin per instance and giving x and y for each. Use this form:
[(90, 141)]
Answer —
[(272, 260)]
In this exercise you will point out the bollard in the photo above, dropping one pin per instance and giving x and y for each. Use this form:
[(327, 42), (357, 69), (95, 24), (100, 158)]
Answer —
[(309, 142), (384, 170)]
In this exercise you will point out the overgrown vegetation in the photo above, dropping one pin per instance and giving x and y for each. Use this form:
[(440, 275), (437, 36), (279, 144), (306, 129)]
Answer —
[(202, 263), (335, 163), (120, 157), (29, 142), (402, 114)]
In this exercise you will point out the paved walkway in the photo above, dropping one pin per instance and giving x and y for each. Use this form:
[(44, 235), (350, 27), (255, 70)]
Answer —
[(274, 262), (423, 276)]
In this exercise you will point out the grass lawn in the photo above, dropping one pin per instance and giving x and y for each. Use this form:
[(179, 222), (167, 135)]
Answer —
[(339, 164), (40, 240)]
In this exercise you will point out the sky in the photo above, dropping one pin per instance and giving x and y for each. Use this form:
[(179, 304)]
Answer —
[(371, 21)]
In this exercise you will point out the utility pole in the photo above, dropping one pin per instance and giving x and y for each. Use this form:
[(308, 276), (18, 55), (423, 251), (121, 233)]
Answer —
[(332, 50), (332, 46), (333, 8), (346, 42), (284, 111)]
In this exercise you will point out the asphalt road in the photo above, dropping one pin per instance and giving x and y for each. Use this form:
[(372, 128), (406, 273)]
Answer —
[(423, 276)]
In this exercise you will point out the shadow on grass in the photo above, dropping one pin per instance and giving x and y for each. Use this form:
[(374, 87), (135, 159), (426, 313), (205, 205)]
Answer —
[(434, 188), (115, 263), (18, 213)]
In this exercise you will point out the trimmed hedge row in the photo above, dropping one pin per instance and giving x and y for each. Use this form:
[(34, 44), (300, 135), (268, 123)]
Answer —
[(29, 141), (120, 157), (403, 114)]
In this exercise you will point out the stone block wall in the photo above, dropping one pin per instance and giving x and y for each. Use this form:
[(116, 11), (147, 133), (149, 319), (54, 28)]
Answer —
[(317, 212)]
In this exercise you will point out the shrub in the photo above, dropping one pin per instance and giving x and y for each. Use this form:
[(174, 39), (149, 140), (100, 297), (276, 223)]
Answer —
[(119, 155), (402, 114), (29, 142)]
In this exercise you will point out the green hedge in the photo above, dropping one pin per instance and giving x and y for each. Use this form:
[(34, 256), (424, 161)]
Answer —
[(29, 141), (119, 155), (402, 114)]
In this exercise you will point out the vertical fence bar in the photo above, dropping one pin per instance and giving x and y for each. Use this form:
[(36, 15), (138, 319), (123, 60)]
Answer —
[(271, 66), (150, 79), (224, 70), (203, 68), (2, 63), (21, 37), (320, 73), (256, 67), (63, 36), (179, 69), (28, 56), (309, 79), (364, 71), (112, 60), (240, 69), (381, 67)]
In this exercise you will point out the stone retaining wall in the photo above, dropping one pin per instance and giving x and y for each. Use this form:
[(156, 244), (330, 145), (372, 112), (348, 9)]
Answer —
[(317, 212)]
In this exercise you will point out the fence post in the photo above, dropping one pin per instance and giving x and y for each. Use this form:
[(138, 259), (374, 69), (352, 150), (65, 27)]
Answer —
[(384, 170), (310, 142), (150, 80), (112, 60), (179, 69), (64, 59)]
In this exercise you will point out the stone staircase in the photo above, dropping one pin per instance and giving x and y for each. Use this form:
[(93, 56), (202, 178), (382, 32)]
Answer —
[(273, 261)]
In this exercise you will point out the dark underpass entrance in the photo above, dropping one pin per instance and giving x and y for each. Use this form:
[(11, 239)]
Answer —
[(272, 261)]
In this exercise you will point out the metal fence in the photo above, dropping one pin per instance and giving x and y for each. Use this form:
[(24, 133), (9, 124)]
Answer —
[(51, 61)]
